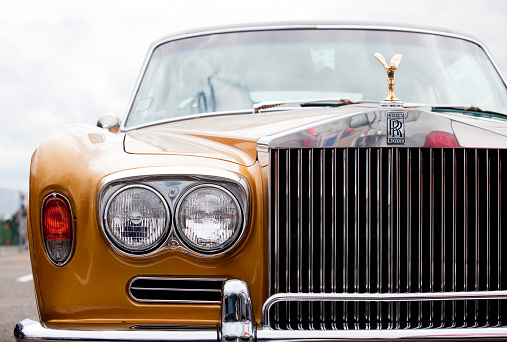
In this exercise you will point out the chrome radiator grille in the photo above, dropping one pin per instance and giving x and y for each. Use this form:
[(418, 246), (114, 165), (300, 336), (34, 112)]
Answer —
[(387, 220)]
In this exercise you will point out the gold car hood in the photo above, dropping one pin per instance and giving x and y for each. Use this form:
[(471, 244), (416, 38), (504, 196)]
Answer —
[(238, 138), (229, 137)]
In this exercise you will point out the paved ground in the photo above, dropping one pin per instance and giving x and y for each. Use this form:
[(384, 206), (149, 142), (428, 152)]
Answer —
[(17, 300)]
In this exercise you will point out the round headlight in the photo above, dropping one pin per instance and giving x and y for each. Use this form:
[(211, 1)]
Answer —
[(137, 219), (209, 219)]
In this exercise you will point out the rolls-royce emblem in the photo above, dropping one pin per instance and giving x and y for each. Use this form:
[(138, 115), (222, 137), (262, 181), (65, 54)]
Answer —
[(395, 127), (390, 69)]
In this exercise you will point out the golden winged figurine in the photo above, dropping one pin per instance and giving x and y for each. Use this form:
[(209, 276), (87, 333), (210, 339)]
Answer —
[(395, 62)]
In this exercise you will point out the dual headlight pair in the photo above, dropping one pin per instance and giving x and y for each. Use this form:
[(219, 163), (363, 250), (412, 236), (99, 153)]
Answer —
[(207, 218)]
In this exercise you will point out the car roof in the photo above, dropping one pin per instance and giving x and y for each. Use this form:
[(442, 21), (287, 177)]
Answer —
[(263, 26)]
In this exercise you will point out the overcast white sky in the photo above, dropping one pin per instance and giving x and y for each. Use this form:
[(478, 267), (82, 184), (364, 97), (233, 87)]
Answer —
[(65, 62)]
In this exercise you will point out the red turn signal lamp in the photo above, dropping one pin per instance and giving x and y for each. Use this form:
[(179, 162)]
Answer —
[(57, 228), (441, 140)]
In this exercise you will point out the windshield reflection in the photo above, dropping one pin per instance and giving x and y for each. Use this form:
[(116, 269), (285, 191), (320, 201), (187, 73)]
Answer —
[(234, 71)]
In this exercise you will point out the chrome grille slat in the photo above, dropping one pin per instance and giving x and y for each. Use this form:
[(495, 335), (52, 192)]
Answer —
[(345, 235), (299, 244), (420, 238), (311, 274), (379, 234), (367, 198), (409, 235), (334, 228), (454, 234), (322, 235), (442, 233), (477, 236), (396, 220), (356, 235), (499, 236)]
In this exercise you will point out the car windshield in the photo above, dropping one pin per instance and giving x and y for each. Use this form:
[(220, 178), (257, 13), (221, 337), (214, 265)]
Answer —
[(233, 71)]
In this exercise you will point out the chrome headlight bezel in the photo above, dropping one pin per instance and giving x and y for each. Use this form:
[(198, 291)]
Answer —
[(172, 184), (225, 246), (130, 249)]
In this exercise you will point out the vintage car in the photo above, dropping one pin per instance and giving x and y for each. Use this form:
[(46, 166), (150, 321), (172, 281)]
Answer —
[(262, 187)]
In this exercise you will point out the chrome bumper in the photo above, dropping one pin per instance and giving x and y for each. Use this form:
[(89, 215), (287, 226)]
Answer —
[(238, 324)]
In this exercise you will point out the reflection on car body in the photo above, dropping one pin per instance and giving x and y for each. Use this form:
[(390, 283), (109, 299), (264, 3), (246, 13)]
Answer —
[(260, 188)]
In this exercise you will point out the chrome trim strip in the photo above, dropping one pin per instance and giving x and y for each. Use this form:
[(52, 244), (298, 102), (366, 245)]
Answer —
[(386, 335), (163, 171), (28, 330), (375, 297)]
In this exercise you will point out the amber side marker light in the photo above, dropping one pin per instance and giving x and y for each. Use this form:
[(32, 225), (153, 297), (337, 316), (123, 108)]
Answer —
[(57, 228)]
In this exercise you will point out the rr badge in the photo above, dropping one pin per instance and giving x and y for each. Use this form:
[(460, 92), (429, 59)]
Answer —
[(395, 127)]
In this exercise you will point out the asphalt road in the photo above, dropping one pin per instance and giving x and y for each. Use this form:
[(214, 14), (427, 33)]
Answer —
[(17, 300)]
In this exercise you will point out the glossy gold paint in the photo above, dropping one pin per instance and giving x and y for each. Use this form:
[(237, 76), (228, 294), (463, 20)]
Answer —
[(91, 287)]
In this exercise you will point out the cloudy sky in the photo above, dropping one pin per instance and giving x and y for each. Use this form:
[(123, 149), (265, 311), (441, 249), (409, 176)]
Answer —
[(64, 62)]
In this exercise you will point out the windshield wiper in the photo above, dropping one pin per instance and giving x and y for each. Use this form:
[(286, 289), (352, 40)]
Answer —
[(468, 110), (308, 103)]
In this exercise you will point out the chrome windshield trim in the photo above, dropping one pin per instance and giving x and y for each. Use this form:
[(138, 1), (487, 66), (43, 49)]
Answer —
[(375, 297), (284, 26)]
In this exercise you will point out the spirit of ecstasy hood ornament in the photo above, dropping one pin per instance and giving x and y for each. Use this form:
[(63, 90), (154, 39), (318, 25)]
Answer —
[(395, 62)]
